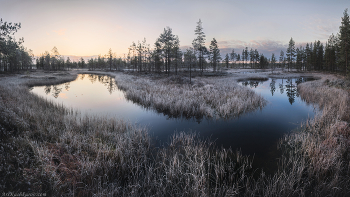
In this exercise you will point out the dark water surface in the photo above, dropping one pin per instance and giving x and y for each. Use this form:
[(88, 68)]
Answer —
[(256, 133)]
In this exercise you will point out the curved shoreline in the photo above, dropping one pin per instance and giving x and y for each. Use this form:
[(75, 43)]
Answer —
[(72, 151)]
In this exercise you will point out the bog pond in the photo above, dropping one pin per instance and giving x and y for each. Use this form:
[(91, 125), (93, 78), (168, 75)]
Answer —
[(256, 133)]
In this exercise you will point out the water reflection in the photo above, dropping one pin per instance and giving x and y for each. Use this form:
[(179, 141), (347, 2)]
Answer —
[(66, 86), (288, 85), (273, 86), (255, 133), (56, 91), (108, 82), (291, 90), (253, 82)]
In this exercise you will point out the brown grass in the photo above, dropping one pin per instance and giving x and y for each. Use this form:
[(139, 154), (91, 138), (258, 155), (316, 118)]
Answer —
[(48, 148), (208, 97)]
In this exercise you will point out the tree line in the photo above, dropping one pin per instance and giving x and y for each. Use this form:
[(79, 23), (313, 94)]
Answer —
[(334, 56), (13, 55), (166, 55), (55, 61)]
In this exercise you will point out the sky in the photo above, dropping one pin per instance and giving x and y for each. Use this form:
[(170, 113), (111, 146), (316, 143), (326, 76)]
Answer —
[(88, 28)]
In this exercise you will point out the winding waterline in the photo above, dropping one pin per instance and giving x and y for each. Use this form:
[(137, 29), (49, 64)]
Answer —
[(255, 133)]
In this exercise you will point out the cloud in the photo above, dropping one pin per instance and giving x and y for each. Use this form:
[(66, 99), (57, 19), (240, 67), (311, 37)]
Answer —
[(266, 47), (322, 28), (60, 32)]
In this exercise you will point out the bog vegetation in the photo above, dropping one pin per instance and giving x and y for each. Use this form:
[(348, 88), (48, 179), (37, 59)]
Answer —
[(49, 148), (212, 98)]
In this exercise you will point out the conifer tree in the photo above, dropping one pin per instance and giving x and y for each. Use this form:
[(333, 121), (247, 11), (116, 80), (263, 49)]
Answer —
[(282, 59), (167, 41), (215, 53), (252, 57), (233, 56), (198, 43), (290, 53), (319, 57), (344, 38), (243, 57), (227, 60), (110, 58), (273, 62), (238, 58), (308, 56), (246, 54), (299, 58)]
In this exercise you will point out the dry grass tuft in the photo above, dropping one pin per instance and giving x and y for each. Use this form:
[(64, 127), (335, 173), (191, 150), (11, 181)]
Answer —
[(48, 148), (208, 97), (323, 143)]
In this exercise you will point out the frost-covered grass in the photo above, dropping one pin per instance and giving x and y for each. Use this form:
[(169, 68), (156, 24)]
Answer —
[(49, 148), (320, 150), (174, 95)]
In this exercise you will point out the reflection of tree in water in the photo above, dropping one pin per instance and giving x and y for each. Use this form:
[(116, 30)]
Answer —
[(82, 76), (251, 83), (111, 85), (66, 86), (291, 90), (281, 87), (56, 91), (92, 78), (273, 86), (297, 81), (47, 89), (100, 78), (288, 86), (109, 82), (105, 80)]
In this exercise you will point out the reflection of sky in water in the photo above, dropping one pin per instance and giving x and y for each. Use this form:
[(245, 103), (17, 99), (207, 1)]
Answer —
[(254, 133)]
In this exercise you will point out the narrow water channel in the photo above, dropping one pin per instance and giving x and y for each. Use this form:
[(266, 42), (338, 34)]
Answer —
[(255, 133)]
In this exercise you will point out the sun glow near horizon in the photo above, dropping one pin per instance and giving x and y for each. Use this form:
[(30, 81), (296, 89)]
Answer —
[(89, 28)]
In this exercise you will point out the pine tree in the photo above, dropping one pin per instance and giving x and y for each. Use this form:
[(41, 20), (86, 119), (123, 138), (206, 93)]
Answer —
[(282, 59), (227, 60), (198, 43), (256, 55), (273, 62), (110, 58), (252, 57), (290, 53), (238, 58), (243, 57), (177, 53), (215, 53), (308, 56), (189, 59), (344, 45), (319, 57), (299, 58), (330, 52), (167, 41), (246, 54), (233, 56)]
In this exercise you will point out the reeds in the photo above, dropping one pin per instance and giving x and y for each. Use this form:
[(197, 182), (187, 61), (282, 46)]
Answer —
[(322, 144), (48, 148), (208, 97), (57, 151)]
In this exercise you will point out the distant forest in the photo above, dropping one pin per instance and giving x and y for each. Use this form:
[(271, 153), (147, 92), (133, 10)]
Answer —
[(166, 56)]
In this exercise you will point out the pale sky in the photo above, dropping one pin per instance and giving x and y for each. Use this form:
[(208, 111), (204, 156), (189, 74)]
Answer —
[(86, 28)]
